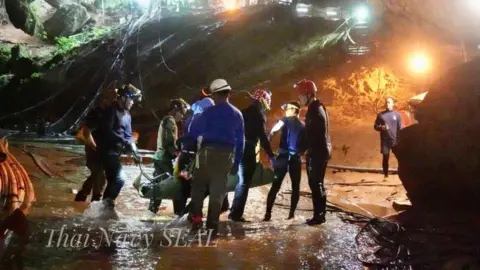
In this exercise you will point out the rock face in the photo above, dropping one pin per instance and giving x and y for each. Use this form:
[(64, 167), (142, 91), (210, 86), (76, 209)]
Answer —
[(439, 158), (67, 20), (21, 15)]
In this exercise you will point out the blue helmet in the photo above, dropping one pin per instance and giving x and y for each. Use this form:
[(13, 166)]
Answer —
[(130, 91)]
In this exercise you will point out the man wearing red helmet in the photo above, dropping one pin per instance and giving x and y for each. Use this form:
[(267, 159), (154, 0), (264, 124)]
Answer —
[(318, 145), (254, 119)]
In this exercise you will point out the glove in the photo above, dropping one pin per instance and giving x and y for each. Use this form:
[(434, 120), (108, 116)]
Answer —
[(132, 148), (234, 169)]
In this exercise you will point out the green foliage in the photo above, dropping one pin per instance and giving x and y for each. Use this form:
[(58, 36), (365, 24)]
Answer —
[(66, 45), (37, 75), (4, 53)]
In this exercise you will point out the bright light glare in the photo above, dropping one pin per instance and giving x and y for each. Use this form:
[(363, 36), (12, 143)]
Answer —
[(230, 4), (144, 3), (361, 14), (419, 63), (475, 4), (331, 13), (302, 8)]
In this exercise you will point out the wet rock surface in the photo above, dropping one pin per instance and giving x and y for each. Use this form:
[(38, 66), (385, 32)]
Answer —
[(439, 158)]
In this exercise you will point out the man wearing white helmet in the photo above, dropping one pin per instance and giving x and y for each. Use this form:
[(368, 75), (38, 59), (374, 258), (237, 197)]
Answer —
[(220, 133)]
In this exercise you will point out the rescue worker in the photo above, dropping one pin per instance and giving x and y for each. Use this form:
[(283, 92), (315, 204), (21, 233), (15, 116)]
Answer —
[(95, 183), (114, 136), (187, 154), (254, 119), (221, 139), (318, 147), (388, 123), (167, 143), (292, 146)]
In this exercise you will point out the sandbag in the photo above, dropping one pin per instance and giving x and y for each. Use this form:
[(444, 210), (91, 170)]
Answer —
[(169, 187)]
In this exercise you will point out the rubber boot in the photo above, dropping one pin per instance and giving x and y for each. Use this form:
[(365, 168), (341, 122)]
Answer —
[(291, 215), (80, 197), (318, 220), (268, 217), (154, 205)]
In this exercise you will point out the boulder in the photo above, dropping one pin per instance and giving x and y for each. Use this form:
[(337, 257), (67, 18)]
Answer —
[(58, 3), (67, 20), (21, 15), (439, 157)]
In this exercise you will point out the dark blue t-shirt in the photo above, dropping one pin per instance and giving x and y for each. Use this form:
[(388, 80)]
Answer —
[(394, 122), (292, 138), (112, 128)]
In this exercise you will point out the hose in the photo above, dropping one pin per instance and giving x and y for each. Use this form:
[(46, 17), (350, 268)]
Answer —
[(16, 187)]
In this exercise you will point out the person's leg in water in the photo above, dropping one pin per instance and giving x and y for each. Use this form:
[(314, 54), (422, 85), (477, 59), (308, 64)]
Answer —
[(179, 203), (316, 168), (199, 189), (385, 161), (95, 167), (295, 171), (161, 166), (115, 179), (219, 163), (245, 175), (281, 168)]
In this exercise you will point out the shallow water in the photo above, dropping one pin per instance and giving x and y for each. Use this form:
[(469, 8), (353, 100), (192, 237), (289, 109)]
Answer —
[(278, 244)]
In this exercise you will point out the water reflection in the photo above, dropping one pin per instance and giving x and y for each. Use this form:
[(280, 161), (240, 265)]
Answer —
[(258, 245)]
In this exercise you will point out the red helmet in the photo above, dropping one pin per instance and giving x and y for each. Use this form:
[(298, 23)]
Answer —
[(306, 87), (263, 95)]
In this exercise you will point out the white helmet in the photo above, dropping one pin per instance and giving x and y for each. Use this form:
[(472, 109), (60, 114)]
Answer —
[(220, 85)]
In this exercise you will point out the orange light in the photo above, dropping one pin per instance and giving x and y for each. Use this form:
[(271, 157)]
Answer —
[(230, 4), (419, 63)]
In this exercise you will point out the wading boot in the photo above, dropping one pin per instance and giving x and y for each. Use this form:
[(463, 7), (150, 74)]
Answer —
[(318, 220), (225, 205), (154, 205), (291, 215), (80, 197), (268, 217)]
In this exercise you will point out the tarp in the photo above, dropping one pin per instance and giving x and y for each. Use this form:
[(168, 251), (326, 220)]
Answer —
[(169, 187)]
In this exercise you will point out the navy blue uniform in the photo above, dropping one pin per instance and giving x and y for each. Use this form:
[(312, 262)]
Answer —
[(113, 132), (292, 145), (388, 138)]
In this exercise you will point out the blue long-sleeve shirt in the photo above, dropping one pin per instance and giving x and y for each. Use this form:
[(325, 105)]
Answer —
[(221, 124), (112, 128)]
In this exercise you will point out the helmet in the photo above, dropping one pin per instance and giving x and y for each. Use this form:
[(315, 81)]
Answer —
[(291, 104), (109, 94), (130, 91), (264, 96), (219, 85), (305, 87), (179, 104)]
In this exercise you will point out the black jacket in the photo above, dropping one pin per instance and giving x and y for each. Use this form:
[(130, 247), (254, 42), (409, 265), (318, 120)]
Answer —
[(254, 121), (317, 134)]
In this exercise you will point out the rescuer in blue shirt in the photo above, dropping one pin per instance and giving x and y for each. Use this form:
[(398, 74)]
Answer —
[(388, 123), (292, 146), (220, 133)]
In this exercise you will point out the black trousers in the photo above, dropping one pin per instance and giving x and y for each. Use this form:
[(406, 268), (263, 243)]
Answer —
[(316, 168), (283, 164)]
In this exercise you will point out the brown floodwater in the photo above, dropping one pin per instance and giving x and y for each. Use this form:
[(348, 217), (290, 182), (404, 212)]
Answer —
[(136, 244)]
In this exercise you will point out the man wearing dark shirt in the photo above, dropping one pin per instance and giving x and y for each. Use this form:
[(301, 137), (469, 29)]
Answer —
[(318, 145), (254, 119), (290, 150), (96, 181), (113, 135), (388, 123)]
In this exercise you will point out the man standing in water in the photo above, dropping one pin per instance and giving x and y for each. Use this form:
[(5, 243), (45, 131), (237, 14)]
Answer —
[(96, 181), (113, 136), (167, 143), (318, 145), (254, 119), (388, 123), (220, 133)]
